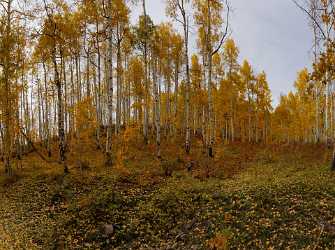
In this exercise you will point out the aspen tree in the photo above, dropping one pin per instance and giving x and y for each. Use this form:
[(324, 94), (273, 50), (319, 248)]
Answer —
[(7, 88), (180, 9), (209, 19), (135, 75), (230, 56), (157, 104), (198, 97), (53, 37), (11, 61), (145, 38), (177, 50), (247, 76), (117, 16), (110, 89)]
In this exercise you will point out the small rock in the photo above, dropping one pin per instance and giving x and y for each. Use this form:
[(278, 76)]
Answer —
[(108, 230), (330, 229), (189, 226), (93, 235), (217, 195)]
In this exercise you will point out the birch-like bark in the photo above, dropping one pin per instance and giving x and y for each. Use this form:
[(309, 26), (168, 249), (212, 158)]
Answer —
[(7, 138), (119, 85), (99, 106), (157, 111), (209, 83), (47, 111), (185, 22), (110, 99), (176, 90), (146, 80), (60, 111)]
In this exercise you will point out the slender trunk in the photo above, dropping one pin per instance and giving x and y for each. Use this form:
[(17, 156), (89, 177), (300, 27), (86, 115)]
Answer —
[(47, 114), (60, 114), (326, 109), (65, 96), (176, 88), (39, 109), (110, 101), (210, 97), (7, 143), (118, 84), (168, 98), (146, 80), (72, 90), (99, 89), (188, 80), (157, 112)]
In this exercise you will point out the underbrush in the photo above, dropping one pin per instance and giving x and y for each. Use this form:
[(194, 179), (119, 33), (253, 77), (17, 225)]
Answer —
[(255, 197), (186, 214)]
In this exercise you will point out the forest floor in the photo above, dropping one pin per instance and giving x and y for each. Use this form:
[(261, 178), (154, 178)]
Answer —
[(250, 197)]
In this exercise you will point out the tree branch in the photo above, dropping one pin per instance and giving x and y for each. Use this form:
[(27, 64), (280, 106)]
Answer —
[(225, 33), (311, 17)]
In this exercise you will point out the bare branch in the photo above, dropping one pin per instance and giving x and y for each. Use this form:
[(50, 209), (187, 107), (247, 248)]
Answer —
[(311, 17), (226, 31)]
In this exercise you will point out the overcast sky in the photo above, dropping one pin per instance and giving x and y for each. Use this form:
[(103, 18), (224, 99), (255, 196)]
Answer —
[(272, 34)]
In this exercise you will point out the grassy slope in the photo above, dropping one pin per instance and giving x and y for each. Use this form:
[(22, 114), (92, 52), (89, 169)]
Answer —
[(258, 199)]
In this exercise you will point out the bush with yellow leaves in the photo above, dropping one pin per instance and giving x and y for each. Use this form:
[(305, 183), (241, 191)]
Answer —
[(219, 241)]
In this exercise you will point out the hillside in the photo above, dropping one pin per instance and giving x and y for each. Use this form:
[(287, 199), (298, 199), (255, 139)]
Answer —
[(282, 197)]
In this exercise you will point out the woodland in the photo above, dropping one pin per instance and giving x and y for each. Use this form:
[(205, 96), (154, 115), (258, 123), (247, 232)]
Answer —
[(121, 134)]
